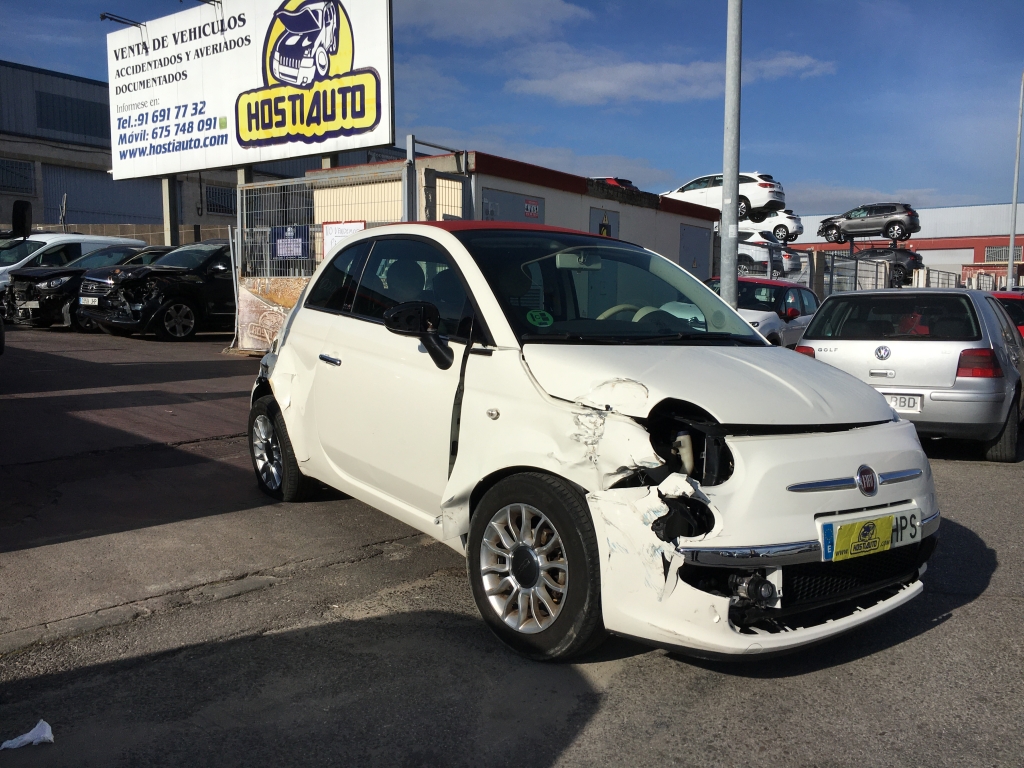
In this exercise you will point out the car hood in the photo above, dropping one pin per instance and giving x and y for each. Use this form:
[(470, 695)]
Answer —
[(736, 385), (34, 274)]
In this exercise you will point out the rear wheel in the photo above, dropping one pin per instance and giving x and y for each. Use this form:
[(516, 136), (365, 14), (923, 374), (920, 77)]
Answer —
[(270, 448), (176, 321), (896, 231), (781, 233), (534, 567), (743, 210), (898, 276), (1004, 449)]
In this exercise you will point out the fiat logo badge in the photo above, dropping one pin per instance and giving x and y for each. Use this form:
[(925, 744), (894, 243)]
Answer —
[(882, 353), (867, 481)]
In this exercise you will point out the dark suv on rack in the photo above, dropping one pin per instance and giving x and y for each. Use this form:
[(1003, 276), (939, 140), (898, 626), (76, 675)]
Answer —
[(188, 290), (902, 263), (894, 221)]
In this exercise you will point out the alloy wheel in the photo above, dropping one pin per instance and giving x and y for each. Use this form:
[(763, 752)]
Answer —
[(524, 568), (781, 234), (266, 449), (179, 320)]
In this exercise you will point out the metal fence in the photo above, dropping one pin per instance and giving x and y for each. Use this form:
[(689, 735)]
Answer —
[(936, 278), (281, 223), (843, 273), (984, 282)]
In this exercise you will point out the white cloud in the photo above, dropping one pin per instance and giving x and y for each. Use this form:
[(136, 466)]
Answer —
[(563, 73), (814, 197), (472, 21), (637, 169)]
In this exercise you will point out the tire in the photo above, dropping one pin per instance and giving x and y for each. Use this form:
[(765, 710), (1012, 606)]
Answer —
[(898, 277), (82, 324), (562, 616), (176, 320), (776, 274), (774, 340), (1004, 448), (834, 235), (273, 459), (743, 210), (781, 233), (896, 231)]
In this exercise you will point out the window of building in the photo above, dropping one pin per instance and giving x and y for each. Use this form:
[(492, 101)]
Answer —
[(1000, 253), (17, 176), (221, 200), (70, 115)]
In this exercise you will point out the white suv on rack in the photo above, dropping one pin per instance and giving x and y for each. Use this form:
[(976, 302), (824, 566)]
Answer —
[(759, 194), (609, 444)]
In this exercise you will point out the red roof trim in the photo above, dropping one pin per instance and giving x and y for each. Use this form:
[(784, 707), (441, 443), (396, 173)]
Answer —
[(682, 208), (493, 165), (463, 225)]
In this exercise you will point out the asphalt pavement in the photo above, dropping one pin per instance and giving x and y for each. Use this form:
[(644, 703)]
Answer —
[(156, 609)]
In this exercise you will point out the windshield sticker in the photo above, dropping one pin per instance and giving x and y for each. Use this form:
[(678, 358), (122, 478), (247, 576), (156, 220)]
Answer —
[(539, 318), (311, 93)]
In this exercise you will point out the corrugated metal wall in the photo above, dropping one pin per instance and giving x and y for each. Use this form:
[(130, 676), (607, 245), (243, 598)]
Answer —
[(95, 198), (70, 107)]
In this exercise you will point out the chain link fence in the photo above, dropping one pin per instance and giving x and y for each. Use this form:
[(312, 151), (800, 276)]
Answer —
[(282, 223)]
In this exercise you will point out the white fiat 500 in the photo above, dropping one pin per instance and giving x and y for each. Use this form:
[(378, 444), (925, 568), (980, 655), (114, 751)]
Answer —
[(587, 423)]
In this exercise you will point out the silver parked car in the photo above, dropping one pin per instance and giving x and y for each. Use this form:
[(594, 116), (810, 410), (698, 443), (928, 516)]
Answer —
[(949, 360)]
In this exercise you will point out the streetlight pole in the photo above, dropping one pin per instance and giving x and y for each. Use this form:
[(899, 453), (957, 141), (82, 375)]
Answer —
[(731, 154), (1010, 276)]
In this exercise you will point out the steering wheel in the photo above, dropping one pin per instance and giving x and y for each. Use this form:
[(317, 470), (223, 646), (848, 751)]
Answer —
[(615, 310), (644, 312)]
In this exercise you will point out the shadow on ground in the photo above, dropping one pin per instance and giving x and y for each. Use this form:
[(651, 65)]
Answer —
[(374, 691)]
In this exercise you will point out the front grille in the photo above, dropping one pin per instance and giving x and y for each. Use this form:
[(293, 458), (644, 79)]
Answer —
[(817, 583), (23, 291), (95, 287)]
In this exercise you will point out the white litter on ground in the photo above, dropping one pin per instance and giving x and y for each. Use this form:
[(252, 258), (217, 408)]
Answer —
[(42, 732)]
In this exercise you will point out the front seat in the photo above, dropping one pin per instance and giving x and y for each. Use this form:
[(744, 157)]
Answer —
[(405, 281)]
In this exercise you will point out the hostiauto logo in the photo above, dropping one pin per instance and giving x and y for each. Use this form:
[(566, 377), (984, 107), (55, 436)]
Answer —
[(310, 91)]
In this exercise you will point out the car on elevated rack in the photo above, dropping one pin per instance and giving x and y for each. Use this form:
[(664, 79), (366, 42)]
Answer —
[(759, 194), (949, 360), (902, 263), (785, 225), (895, 221), (44, 296), (610, 445), (186, 290), (779, 310)]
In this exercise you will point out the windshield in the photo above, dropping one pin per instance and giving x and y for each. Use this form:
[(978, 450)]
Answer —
[(757, 296), (557, 287), (13, 251), (105, 257), (190, 256), (914, 317)]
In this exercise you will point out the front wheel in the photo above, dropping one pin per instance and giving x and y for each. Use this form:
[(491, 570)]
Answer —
[(1004, 449), (273, 459), (833, 235), (80, 323), (534, 567), (896, 231), (743, 210), (176, 321)]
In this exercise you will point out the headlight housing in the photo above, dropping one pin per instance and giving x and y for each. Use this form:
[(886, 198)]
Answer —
[(55, 283)]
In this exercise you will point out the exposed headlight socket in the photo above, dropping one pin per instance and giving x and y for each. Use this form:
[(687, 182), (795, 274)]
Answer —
[(754, 587)]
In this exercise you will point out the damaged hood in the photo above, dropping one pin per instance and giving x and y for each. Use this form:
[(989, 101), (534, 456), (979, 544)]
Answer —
[(119, 274), (736, 385)]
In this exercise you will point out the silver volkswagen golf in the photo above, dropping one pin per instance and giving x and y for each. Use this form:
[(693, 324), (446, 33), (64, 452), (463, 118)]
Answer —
[(949, 360)]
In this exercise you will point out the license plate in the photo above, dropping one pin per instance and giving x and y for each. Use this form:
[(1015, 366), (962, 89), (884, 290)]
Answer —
[(845, 541), (89, 301), (30, 305), (905, 403)]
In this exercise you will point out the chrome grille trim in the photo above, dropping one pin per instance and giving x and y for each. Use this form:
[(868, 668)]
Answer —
[(772, 556)]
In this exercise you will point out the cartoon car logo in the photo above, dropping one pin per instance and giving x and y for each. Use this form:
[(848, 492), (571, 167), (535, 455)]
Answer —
[(303, 54), (867, 532)]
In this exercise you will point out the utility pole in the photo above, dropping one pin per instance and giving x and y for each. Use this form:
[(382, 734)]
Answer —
[(1011, 280), (731, 154)]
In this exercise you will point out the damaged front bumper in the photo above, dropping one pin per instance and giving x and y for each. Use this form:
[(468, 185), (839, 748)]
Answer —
[(691, 593)]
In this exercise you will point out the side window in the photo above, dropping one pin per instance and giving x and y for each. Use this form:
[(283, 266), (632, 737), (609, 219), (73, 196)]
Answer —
[(793, 300), (858, 213), (747, 180), (716, 181), (58, 256), (694, 185), (333, 291), (399, 270), (810, 302), (1009, 330)]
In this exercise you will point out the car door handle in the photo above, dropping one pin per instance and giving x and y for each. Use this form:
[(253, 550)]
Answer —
[(330, 360)]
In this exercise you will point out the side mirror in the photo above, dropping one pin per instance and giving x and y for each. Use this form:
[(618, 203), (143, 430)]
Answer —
[(219, 268), (422, 320), (21, 219), (791, 314)]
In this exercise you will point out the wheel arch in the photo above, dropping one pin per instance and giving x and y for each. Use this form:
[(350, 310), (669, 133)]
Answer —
[(489, 481), (262, 389)]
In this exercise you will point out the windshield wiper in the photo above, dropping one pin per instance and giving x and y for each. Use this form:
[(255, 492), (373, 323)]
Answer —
[(749, 341)]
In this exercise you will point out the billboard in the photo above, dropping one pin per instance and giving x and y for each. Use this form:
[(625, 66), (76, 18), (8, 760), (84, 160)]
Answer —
[(249, 81)]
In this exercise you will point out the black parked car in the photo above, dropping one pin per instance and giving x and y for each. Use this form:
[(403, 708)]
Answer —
[(896, 221), (44, 296), (903, 263), (188, 290)]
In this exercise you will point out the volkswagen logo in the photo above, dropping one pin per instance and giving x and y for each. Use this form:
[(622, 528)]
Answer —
[(867, 481), (882, 353)]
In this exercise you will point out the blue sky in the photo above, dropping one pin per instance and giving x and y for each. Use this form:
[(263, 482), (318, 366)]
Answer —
[(844, 101)]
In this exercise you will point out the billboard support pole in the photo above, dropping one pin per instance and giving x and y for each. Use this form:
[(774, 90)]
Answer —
[(172, 235), (411, 210), (731, 156)]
